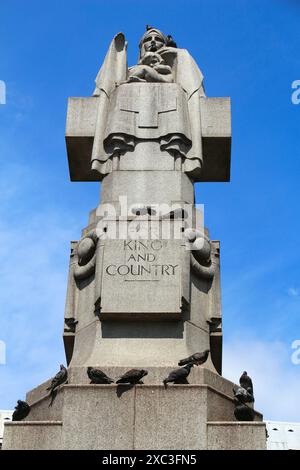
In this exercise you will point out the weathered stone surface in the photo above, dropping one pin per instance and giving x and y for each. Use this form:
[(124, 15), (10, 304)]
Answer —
[(80, 131), (150, 270), (161, 344), (176, 417), (34, 435), (236, 436), (147, 158), (147, 187), (41, 411), (216, 138), (215, 128), (129, 344), (221, 403), (96, 418), (141, 417)]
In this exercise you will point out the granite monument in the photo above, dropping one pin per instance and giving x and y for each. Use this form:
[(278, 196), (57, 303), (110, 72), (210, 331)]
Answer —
[(144, 279)]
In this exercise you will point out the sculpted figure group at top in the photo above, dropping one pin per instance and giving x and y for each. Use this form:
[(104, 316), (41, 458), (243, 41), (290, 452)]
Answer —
[(156, 100)]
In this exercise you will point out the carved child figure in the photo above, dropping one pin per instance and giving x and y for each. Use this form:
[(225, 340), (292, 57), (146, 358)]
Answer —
[(151, 68)]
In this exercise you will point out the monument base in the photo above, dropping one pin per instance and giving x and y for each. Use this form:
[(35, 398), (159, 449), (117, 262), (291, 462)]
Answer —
[(110, 417)]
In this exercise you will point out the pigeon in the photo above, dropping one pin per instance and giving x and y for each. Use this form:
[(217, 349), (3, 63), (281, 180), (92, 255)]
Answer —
[(242, 395), (179, 376), (243, 412), (71, 324), (21, 411), (170, 41), (246, 382), (197, 358), (59, 378), (132, 376), (53, 394), (97, 376)]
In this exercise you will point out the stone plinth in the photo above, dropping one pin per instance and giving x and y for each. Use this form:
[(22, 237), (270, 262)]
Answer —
[(236, 436), (33, 435), (198, 416)]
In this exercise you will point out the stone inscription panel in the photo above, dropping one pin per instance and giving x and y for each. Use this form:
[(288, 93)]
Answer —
[(141, 276)]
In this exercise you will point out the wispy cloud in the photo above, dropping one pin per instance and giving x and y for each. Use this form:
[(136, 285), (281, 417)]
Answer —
[(276, 380), (292, 292), (34, 248)]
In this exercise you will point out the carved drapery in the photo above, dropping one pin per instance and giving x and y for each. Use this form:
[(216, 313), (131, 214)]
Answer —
[(129, 111)]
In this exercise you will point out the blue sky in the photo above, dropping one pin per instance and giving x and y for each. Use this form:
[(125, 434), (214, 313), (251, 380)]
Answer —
[(246, 49)]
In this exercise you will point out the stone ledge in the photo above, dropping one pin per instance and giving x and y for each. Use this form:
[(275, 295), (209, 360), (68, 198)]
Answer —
[(236, 423), (34, 423), (228, 435), (138, 386), (85, 416), (33, 435), (221, 404), (200, 376)]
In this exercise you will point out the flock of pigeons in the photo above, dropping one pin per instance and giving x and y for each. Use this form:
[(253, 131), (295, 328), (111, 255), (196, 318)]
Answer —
[(135, 376)]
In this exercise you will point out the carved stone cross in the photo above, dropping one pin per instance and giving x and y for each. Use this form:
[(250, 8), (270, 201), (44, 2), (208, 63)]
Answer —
[(215, 132), (148, 107)]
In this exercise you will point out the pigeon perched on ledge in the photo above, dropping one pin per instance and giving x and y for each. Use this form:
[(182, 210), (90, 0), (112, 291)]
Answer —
[(197, 358), (243, 412), (246, 382), (170, 41), (242, 395), (132, 376), (244, 399), (179, 376), (97, 376), (21, 411), (59, 378)]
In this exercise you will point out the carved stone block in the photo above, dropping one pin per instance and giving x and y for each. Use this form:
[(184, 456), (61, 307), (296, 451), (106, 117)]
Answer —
[(142, 277), (215, 129)]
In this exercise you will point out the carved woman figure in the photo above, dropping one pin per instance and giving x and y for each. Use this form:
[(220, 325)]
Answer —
[(157, 100)]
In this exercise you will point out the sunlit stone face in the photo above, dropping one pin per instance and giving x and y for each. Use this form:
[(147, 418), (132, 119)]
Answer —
[(152, 42)]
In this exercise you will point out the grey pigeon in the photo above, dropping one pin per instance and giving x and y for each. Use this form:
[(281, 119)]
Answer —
[(21, 411), (170, 41), (53, 394), (242, 395), (243, 412), (59, 378), (197, 358), (97, 376), (179, 376), (246, 382), (132, 376)]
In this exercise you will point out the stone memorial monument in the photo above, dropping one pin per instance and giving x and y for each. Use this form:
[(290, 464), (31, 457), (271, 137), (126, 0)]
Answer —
[(144, 278)]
